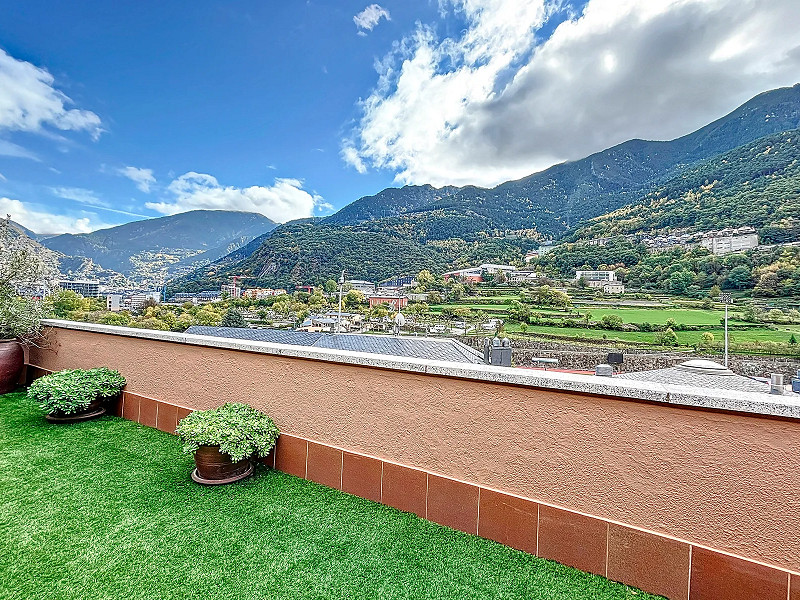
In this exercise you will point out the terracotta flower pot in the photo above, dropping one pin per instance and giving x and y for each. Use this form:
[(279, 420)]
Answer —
[(216, 468), (12, 359), (94, 410)]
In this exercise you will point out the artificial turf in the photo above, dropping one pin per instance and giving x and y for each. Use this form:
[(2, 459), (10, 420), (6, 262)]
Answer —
[(106, 510)]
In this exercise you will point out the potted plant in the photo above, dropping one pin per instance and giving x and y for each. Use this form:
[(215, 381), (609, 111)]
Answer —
[(224, 439), (74, 395), (24, 266)]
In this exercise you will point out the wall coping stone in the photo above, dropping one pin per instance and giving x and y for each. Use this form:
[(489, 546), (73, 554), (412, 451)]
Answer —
[(705, 398)]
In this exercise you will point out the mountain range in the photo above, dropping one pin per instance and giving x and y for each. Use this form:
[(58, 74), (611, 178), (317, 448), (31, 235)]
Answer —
[(401, 230), (742, 169), (151, 251)]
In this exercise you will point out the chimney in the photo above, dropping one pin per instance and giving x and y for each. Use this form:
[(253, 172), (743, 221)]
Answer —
[(776, 383), (604, 370)]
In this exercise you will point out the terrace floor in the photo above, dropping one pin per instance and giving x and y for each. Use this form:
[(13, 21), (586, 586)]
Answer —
[(106, 509)]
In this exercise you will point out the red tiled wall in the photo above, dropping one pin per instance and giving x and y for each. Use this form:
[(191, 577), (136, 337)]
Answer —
[(655, 563)]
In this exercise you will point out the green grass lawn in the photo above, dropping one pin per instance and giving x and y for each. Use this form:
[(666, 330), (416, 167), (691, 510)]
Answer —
[(105, 509)]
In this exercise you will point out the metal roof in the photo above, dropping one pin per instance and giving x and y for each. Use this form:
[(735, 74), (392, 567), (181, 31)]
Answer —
[(700, 373), (411, 347)]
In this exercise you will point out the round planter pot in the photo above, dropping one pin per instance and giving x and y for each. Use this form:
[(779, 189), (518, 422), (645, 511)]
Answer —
[(94, 410), (215, 468), (12, 359)]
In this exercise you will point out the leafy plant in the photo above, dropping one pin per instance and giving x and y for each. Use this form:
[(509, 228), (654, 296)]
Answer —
[(72, 390), (20, 318), (239, 430)]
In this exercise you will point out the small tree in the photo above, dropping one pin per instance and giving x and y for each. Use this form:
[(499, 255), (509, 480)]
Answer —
[(792, 340), (434, 297), (667, 338), (233, 318)]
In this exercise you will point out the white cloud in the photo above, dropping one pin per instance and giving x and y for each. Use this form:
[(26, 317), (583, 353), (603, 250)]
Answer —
[(81, 195), (29, 102), (15, 150), (499, 102), (143, 178), (283, 201), (369, 18), (44, 222)]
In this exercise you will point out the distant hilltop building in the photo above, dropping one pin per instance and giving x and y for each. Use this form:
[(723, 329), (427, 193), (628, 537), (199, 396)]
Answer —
[(540, 251), (88, 288), (730, 240), (475, 274), (231, 289), (597, 279), (615, 287), (261, 293), (365, 287), (399, 282)]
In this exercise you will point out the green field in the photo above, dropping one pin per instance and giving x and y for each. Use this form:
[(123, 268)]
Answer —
[(105, 509), (685, 338), (659, 316)]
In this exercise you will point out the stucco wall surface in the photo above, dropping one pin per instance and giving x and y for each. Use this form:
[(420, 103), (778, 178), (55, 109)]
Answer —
[(716, 478)]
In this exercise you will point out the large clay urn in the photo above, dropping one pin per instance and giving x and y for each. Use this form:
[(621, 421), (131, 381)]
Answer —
[(12, 359)]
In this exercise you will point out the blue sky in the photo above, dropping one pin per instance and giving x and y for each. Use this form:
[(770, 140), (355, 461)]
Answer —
[(114, 111)]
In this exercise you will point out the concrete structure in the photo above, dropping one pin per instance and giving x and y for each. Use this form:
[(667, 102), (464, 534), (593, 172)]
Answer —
[(114, 302), (614, 288), (396, 302), (730, 240), (138, 300), (476, 273), (88, 288), (231, 290), (403, 281), (197, 297), (598, 276), (523, 276), (261, 293), (365, 287), (682, 491)]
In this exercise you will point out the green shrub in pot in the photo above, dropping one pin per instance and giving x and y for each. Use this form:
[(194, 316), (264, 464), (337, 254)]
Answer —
[(71, 391), (240, 431)]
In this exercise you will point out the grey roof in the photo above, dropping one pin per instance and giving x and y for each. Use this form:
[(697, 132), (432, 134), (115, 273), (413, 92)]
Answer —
[(700, 373), (412, 347)]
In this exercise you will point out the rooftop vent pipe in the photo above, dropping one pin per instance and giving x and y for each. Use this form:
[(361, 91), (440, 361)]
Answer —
[(604, 370), (776, 383)]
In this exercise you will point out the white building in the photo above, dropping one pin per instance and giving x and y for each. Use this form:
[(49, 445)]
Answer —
[(88, 288), (476, 272), (523, 276), (140, 299), (614, 288), (365, 287), (231, 289), (114, 302), (596, 276), (730, 240)]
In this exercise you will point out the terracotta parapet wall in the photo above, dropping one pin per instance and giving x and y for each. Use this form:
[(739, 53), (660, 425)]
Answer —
[(640, 478)]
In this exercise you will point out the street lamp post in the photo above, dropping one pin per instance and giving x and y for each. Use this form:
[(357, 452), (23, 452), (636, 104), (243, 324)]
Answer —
[(726, 299), (339, 320)]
